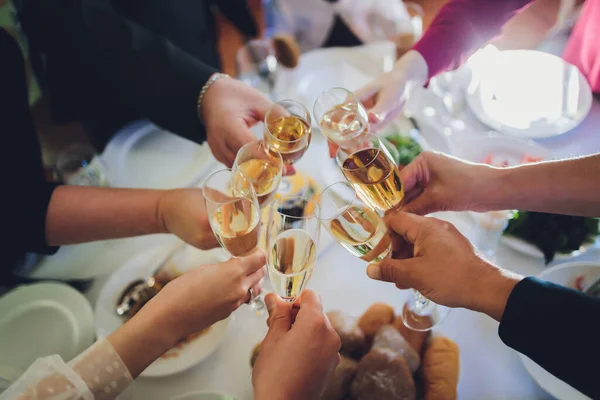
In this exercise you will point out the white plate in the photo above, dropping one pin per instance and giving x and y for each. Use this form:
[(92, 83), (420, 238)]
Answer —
[(528, 93), (506, 148), (203, 396), (563, 275), (142, 266), (142, 155), (43, 319)]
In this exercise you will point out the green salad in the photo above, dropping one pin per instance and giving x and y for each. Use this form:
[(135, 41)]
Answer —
[(407, 148), (553, 233)]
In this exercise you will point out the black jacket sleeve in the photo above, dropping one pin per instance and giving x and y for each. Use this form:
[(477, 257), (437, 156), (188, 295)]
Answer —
[(26, 193), (558, 328), (118, 61)]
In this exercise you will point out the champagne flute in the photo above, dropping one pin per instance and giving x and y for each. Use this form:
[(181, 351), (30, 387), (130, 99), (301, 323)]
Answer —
[(234, 215), (263, 166), (341, 116), (288, 131), (369, 166), (292, 239), (353, 224)]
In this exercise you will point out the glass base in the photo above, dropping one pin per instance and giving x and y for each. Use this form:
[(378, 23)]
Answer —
[(421, 314)]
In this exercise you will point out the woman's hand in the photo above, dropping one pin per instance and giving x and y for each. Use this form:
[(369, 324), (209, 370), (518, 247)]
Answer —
[(186, 305), (299, 352), (384, 97), (183, 213), (443, 265)]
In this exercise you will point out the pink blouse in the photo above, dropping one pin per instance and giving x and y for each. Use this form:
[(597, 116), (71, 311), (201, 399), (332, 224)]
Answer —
[(463, 26)]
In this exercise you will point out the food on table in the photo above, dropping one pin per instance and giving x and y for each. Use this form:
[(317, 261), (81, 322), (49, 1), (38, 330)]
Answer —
[(417, 339), (389, 338), (338, 387), (553, 233), (408, 148), (354, 341), (376, 316), (501, 162), (287, 50), (255, 353), (384, 370), (383, 375), (440, 369), (591, 287)]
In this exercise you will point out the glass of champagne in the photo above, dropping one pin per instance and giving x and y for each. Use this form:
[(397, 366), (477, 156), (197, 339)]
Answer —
[(369, 166), (342, 117), (292, 238), (288, 130), (234, 214), (263, 166), (353, 224)]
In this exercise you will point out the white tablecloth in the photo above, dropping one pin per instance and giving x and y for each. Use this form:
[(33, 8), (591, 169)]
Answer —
[(489, 369)]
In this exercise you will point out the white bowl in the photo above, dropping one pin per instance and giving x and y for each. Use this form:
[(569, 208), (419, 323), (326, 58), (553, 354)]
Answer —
[(565, 275)]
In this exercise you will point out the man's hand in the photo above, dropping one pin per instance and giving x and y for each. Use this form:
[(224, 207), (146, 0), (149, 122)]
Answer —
[(229, 109), (443, 265), (299, 352)]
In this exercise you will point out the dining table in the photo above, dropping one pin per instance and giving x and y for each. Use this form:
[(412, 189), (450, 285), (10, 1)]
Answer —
[(488, 368)]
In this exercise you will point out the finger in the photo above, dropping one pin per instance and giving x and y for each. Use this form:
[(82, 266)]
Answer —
[(401, 272), (254, 278), (256, 289), (366, 93), (414, 174), (421, 205), (253, 262), (309, 300), (280, 320), (405, 224)]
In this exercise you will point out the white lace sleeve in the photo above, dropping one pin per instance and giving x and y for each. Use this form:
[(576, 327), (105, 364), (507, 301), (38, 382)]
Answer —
[(96, 374)]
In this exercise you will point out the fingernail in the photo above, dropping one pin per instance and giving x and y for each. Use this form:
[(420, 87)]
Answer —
[(374, 271)]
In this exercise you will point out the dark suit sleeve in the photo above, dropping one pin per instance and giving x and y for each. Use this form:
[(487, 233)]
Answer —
[(26, 194), (558, 328), (238, 12), (132, 65)]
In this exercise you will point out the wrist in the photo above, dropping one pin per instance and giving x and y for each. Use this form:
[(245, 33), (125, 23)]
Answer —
[(203, 96), (491, 290), (162, 211), (413, 67)]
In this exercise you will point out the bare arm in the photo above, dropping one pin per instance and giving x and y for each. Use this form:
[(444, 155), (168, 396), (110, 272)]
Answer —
[(560, 187), (79, 214)]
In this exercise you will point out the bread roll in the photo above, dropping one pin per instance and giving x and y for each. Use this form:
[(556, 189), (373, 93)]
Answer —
[(338, 386), (382, 375), (389, 338), (416, 339), (375, 317), (255, 353), (440, 369), (354, 342)]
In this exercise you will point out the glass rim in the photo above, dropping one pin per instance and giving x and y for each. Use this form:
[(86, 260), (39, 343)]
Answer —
[(234, 199), (260, 143), (356, 101), (346, 207), (279, 201), (340, 149), (306, 120)]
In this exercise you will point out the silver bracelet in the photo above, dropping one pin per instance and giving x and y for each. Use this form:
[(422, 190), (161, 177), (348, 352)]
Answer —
[(213, 78)]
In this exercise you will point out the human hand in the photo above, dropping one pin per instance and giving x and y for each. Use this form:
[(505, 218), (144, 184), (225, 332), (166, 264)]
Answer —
[(229, 109), (183, 213), (384, 97), (299, 352), (443, 265), (436, 182), (207, 294)]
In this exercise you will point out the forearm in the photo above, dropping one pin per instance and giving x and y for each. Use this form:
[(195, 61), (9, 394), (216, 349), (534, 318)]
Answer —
[(561, 187), (460, 28), (81, 214)]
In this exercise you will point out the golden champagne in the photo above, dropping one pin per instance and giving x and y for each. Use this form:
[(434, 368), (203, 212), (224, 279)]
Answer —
[(236, 226), (290, 137), (344, 122), (375, 177), (291, 262), (362, 232), (263, 174)]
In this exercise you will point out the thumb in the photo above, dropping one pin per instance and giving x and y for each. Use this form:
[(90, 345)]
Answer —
[(280, 319), (400, 272)]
